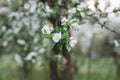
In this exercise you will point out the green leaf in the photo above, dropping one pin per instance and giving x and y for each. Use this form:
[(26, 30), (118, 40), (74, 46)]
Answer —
[(96, 4), (81, 22), (60, 45), (66, 35), (48, 36), (116, 10), (77, 14), (50, 47), (68, 47), (104, 14)]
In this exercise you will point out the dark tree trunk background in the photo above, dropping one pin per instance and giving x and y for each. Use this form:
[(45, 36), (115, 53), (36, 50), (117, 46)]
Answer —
[(116, 58), (118, 72), (53, 70), (66, 73), (53, 66)]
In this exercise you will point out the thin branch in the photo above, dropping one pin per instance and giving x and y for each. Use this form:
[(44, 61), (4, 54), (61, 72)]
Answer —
[(104, 26), (112, 30)]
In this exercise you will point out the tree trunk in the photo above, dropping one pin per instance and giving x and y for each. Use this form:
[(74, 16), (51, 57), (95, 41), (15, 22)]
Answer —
[(118, 72), (117, 63), (53, 66), (66, 73), (53, 70), (25, 70)]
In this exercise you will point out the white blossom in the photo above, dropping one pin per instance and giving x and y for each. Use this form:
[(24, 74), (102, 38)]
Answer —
[(63, 21), (16, 30), (48, 9), (3, 28), (116, 43), (14, 14), (4, 10), (57, 36), (91, 5), (42, 50), (71, 11), (18, 59), (65, 29), (75, 26), (82, 6), (21, 41), (46, 29), (82, 14), (26, 6), (33, 6), (97, 14), (73, 41), (5, 43), (30, 56)]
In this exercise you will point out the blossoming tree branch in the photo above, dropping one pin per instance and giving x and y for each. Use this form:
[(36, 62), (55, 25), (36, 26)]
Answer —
[(76, 16), (73, 18)]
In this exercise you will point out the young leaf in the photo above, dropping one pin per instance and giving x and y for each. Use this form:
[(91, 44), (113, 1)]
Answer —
[(81, 22), (60, 45), (48, 36), (66, 35), (50, 47), (68, 47)]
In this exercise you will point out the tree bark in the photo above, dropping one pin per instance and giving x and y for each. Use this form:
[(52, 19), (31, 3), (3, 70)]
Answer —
[(116, 58), (66, 73), (25, 70), (53, 70), (118, 72), (53, 66)]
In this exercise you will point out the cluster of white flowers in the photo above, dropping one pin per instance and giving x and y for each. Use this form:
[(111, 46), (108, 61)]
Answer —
[(21, 41), (48, 9), (3, 28), (46, 29), (68, 20), (71, 22), (82, 6), (75, 26), (116, 43), (26, 6), (33, 6), (97, 14), (73, 41), (56, 37), (64, 20), (4, 10), (71, 11), (30, 56), (18, 59), (4, 43), (41, 50)]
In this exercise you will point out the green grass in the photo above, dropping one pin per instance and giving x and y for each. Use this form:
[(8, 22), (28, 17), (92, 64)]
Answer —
[(100, 70), (103, 69)]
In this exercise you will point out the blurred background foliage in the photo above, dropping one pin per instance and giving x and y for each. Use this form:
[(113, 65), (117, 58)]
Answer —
[(23, 54)]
